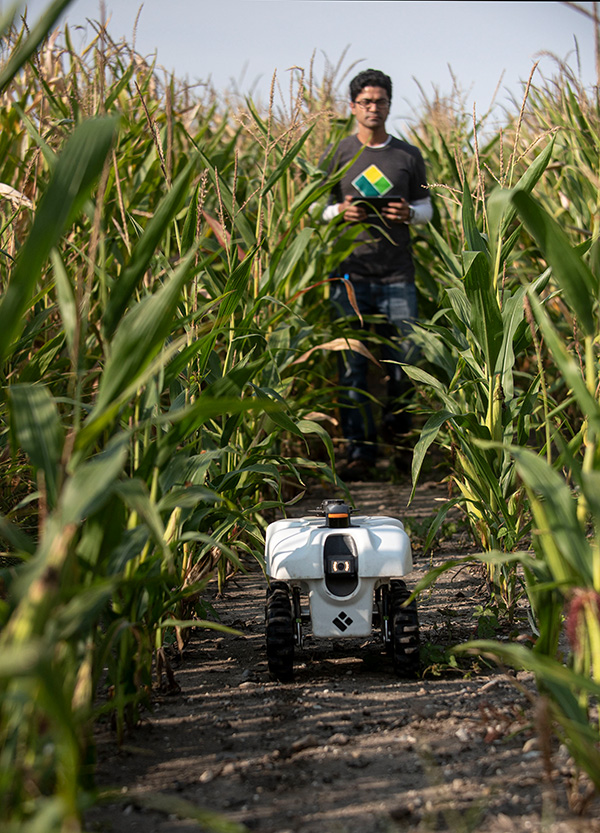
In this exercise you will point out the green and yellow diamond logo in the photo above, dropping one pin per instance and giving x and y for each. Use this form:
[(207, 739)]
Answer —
[(372, 182)]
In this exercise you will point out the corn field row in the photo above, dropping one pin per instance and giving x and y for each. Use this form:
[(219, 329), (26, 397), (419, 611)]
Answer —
[(167, 373)]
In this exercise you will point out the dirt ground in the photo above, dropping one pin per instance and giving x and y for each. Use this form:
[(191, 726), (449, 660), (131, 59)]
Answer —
[(346, 747)]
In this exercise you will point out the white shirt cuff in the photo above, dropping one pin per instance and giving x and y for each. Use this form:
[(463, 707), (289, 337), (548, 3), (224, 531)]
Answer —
[(423, 211)]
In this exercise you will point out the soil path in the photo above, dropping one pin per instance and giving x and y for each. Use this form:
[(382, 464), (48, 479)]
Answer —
[(346, 747)]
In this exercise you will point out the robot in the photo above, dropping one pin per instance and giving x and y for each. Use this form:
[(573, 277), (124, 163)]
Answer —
[(350, 568)]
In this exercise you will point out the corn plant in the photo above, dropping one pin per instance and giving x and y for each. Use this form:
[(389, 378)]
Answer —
[(563, 579), (473, 347), (156, 303)]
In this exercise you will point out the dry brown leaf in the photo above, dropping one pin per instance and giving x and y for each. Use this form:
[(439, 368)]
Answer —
[(16, 197), (340, 344)]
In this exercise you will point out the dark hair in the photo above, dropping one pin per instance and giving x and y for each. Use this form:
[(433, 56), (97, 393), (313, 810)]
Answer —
[(370, 78)]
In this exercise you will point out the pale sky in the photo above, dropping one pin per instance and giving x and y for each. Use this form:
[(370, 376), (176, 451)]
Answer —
[(245, 41)]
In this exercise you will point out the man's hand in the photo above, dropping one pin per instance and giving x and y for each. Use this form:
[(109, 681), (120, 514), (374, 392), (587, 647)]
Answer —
[(397, 212), (394, 212), (352, 212)]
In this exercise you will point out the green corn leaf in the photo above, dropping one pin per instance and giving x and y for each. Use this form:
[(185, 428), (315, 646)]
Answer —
[(449, 157), (563, 685), (501, 210), (473, 239), (93, 482), (241, 222), (437, 522), (309, 426), (313, 191), (47, 152), (308, 196), (437, 350), (118, 88), (188, 497), (46, 359), (188, 236), (81, 612), (567, 365), (560, 510), (103, 420), (37, 428), (446, 254), (189, 469), (486, 319), (190, 419), (590, 487), (22, 660), (66, 299), (422, 377), (35, 37), (69, 109), (583, 124), (287, 258), (282, 420), (76, 172), (578, 283), (481, 471), (237, 287), (287, 161), (549, 670), (199, 623), (240, 477), (428, 434), (530, 178), (140, 336), (417, 374), (15, 537), (431, 576), (512, 316), (461, 305), (260, 123), (134, 493), (196, 351), (145, 250)]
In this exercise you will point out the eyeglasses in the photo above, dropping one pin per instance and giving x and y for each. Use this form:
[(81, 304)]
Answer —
[(378, 103)]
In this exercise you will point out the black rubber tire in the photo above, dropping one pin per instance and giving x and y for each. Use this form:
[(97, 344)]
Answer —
[(404, 632), (279, 628)]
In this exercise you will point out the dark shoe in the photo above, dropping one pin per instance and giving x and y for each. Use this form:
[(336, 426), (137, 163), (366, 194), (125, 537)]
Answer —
[(356, 470)]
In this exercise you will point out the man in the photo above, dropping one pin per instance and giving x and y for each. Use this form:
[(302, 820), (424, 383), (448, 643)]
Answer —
[(381, 268)]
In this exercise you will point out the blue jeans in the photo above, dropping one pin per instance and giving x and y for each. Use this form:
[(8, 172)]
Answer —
[(397, 304)]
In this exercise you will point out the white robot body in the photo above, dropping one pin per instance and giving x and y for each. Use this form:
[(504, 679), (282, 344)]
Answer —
[(338, 568), (351, 570)]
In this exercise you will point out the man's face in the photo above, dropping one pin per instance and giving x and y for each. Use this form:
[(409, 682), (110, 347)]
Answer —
[(371, 107)]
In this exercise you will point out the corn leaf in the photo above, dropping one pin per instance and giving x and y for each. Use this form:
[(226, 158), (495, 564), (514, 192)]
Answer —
[(22, 660), (473, 239), (35, 37), (501, 211), (560, 511), (428, 434), (486, 319), (140, 336), (93, 482), (145, 249), (562, 681), (66, 299), (567, 365), (578, 283), (76, 172), (286, 161), (37, 429)]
